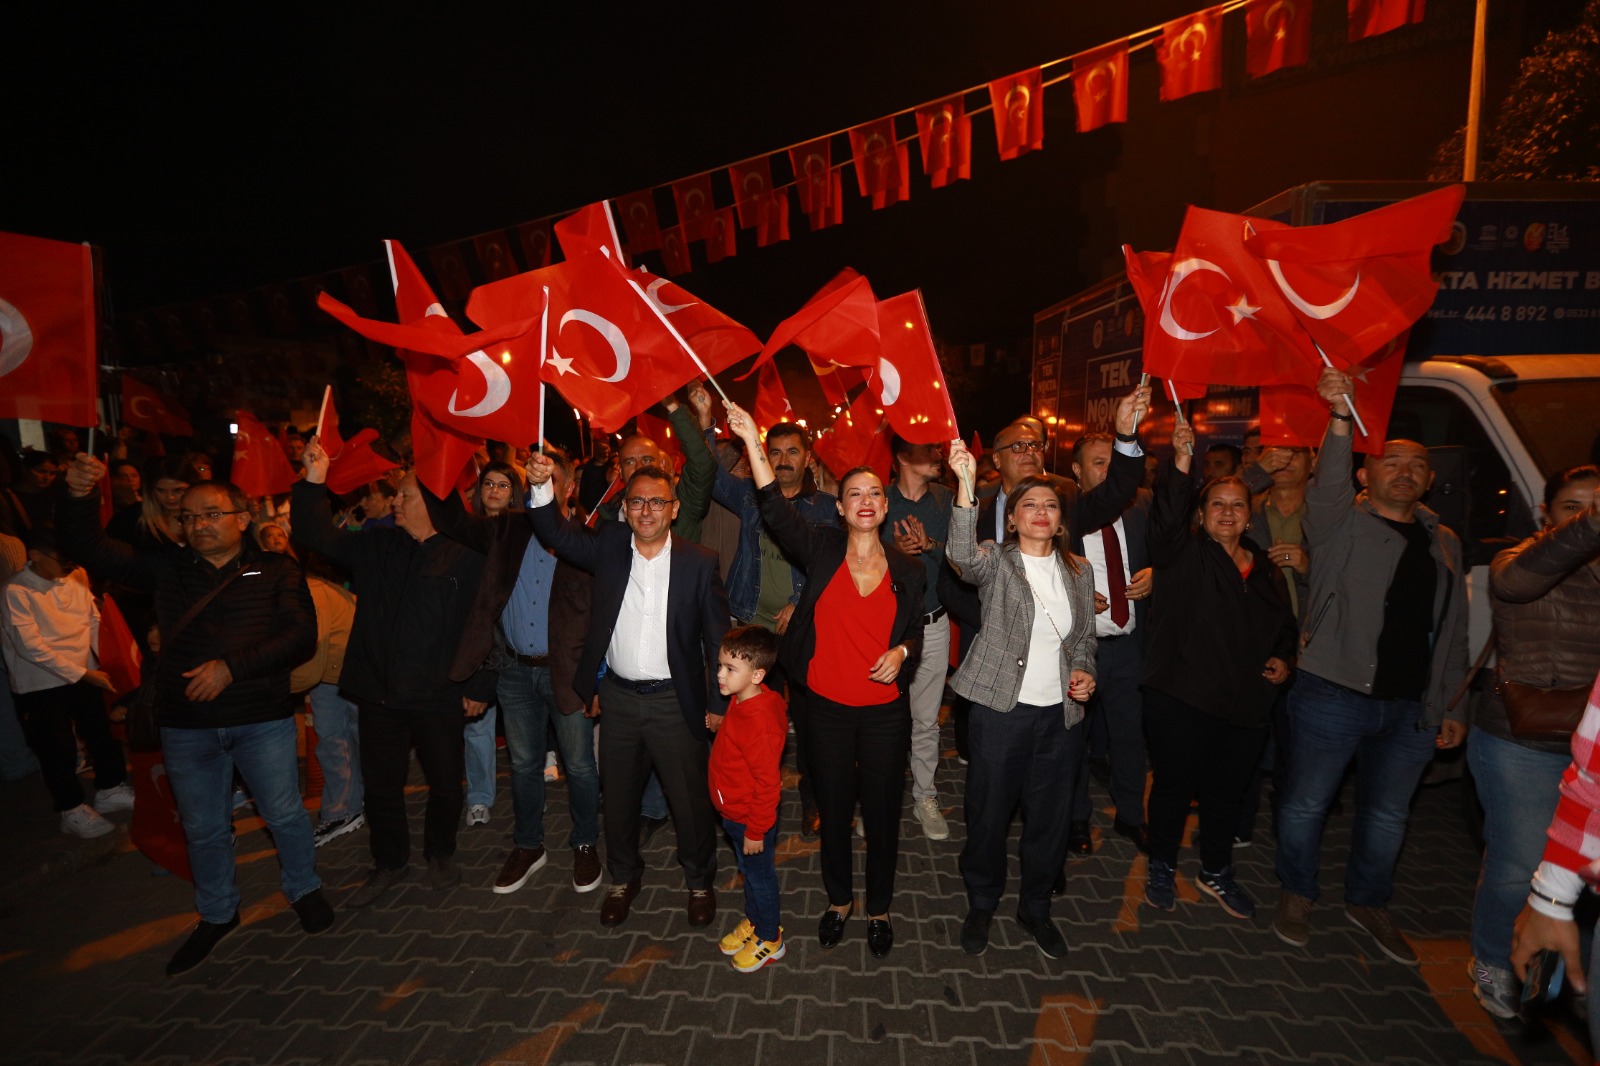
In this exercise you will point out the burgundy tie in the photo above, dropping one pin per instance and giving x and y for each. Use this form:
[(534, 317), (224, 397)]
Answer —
[(1116, 584)]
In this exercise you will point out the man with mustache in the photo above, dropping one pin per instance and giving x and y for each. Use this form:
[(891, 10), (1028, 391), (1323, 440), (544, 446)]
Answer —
[(1383, 646)]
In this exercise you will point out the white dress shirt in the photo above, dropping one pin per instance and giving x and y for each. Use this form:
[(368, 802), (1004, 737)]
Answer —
[(1041, 680), (1094, 550)]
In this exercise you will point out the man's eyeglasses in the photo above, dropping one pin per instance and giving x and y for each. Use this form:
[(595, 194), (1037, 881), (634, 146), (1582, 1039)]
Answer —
[(1021, 446), (656, 503), (207, 517)]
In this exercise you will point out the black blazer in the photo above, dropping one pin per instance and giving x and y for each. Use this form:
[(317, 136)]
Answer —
[(1099, 506), (697, 606), (819, 551), (503, 541)]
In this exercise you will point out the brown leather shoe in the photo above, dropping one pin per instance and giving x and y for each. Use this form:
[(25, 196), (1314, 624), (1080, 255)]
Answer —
[(614, 911), (702, 906)]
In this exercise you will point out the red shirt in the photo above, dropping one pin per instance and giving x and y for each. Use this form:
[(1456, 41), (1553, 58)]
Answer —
[(743, 773), (852, 634)]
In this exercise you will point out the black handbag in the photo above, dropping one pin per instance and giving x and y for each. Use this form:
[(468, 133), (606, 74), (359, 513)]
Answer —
[(144, 726)]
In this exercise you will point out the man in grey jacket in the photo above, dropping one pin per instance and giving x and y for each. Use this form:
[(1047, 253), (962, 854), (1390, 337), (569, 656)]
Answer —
[(1383, 645)]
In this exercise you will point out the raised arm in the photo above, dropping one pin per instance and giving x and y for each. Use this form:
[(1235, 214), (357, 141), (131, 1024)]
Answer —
[(311, 514), (78, 520), (1104, 504), (699, 464), (1167, 534), (785, 524), (1524, 573), (571, 541), (1330, 491), (974, 562)]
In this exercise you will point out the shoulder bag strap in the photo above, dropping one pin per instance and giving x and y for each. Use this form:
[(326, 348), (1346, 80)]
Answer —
[(1466, 682), (168, 639)]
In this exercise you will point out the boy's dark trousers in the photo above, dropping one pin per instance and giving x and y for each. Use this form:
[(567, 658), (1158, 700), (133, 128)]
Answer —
[(760, 879), (47, 718)]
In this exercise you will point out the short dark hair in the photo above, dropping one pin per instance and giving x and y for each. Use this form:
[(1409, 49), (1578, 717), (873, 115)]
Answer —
[(788, 429), (1234, 451), (32, 460), (383, 488), (756, 645), (654, 472), (43, 538), (1562, 478), (236, 497), (1087, 439)]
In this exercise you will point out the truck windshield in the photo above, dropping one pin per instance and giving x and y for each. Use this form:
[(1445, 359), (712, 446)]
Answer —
[(1556, 419)]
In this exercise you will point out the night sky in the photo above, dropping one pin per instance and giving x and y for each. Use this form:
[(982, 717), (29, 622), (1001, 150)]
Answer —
[(238, 145)]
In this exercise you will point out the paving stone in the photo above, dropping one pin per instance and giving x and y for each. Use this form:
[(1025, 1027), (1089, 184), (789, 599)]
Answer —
[(696, 1013), (846, 1019), (974, 1024), (782, 1018), (656, 1049), (132, 1043), (844, 1052), (585, 1046)]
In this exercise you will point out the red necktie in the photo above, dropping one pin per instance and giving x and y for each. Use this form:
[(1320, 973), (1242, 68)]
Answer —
[(1116, 584)]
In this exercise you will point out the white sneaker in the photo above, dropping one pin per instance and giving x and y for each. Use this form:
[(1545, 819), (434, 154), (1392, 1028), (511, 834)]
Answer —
[(932, 818), (477, 814), (114, 799), (84, 821), (1496, 989)]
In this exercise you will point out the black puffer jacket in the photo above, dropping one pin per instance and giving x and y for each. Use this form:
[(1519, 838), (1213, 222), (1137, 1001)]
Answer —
[(262, 625)]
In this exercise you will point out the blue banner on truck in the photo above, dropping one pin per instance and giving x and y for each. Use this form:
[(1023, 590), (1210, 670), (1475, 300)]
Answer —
[(1517, 276)]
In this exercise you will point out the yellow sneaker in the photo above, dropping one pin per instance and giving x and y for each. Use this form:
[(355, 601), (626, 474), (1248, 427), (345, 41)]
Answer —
[(757, 953), (742, 934)]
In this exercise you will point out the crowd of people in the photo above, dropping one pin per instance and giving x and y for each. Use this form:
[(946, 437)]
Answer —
[(1210, 635)]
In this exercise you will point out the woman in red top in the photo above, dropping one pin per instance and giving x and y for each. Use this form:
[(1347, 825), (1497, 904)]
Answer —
[(857, 625)]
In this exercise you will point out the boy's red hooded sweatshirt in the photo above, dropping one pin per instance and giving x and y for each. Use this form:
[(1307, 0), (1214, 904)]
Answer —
[(744, 771)]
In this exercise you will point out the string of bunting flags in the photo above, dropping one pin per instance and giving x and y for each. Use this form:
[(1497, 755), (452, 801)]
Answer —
[(758, 199)]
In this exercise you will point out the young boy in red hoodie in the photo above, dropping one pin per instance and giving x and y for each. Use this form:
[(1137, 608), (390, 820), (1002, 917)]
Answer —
[(744, 779)]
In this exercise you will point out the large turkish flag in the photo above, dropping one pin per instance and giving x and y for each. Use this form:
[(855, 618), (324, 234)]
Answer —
[(47, 331), (259, 466), (1297, 415), (908, 380)]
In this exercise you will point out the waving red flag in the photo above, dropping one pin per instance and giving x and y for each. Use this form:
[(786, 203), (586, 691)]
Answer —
[(589, 229), (1190, 53), (752, 185), (908, 381), (1279, 34), (1295, 415), (836, 381), (47, 331), (1212, 312), (1355, 285), (1018, 103), (772, 401), (440, 452), (637, 213), (838, 325), (351, 463), (944, 130), (857, 439), (259, 466), (425, 337), (145, 408), (1368, 18), (883, 170), (1100, 86)]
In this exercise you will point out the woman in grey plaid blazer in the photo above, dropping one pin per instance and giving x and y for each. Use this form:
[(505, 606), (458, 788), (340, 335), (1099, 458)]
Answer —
[(1028, 675)]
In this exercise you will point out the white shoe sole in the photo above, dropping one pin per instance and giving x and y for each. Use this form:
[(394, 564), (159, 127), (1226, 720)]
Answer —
[(783, 949), (933, 831), (121, 803), (349, 827), (1488, 1003), (539, 863), (1214, 894), (91, 832)]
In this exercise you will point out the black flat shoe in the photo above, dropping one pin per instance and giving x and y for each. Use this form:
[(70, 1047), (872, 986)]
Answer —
[(830, 930), (880, 936), (1079, 841)]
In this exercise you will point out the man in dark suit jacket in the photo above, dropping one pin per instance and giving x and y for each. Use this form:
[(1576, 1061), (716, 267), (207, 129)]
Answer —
[(656, 622), (1117, 552)]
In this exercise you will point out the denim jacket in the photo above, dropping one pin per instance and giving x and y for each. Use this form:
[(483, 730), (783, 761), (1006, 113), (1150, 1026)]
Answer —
[(738, 495)]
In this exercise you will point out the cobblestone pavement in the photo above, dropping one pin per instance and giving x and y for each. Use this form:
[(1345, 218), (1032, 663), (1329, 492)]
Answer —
[(468, 976)]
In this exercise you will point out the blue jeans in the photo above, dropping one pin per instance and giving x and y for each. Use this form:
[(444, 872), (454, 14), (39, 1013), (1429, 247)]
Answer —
[(478, 735), (335, 720), (529, 705), (760, 879), (1519, 789), (200, 765), (1330, 726)]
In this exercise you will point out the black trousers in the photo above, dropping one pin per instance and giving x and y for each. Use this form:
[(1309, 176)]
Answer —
[(643, 733), (1195, 754), (1115, 714), (1026, 755), (859, 755), (47, 718), (795, 693), (388, 736)]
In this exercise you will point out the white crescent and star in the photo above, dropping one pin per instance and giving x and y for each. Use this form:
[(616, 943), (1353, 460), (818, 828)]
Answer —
[(1281, 30), (1105, 71), (1180, 271), (1304, 306), (141, 407), (1017, 109), (608, 332), (1200, 34), (499, 391), (16, 337)]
